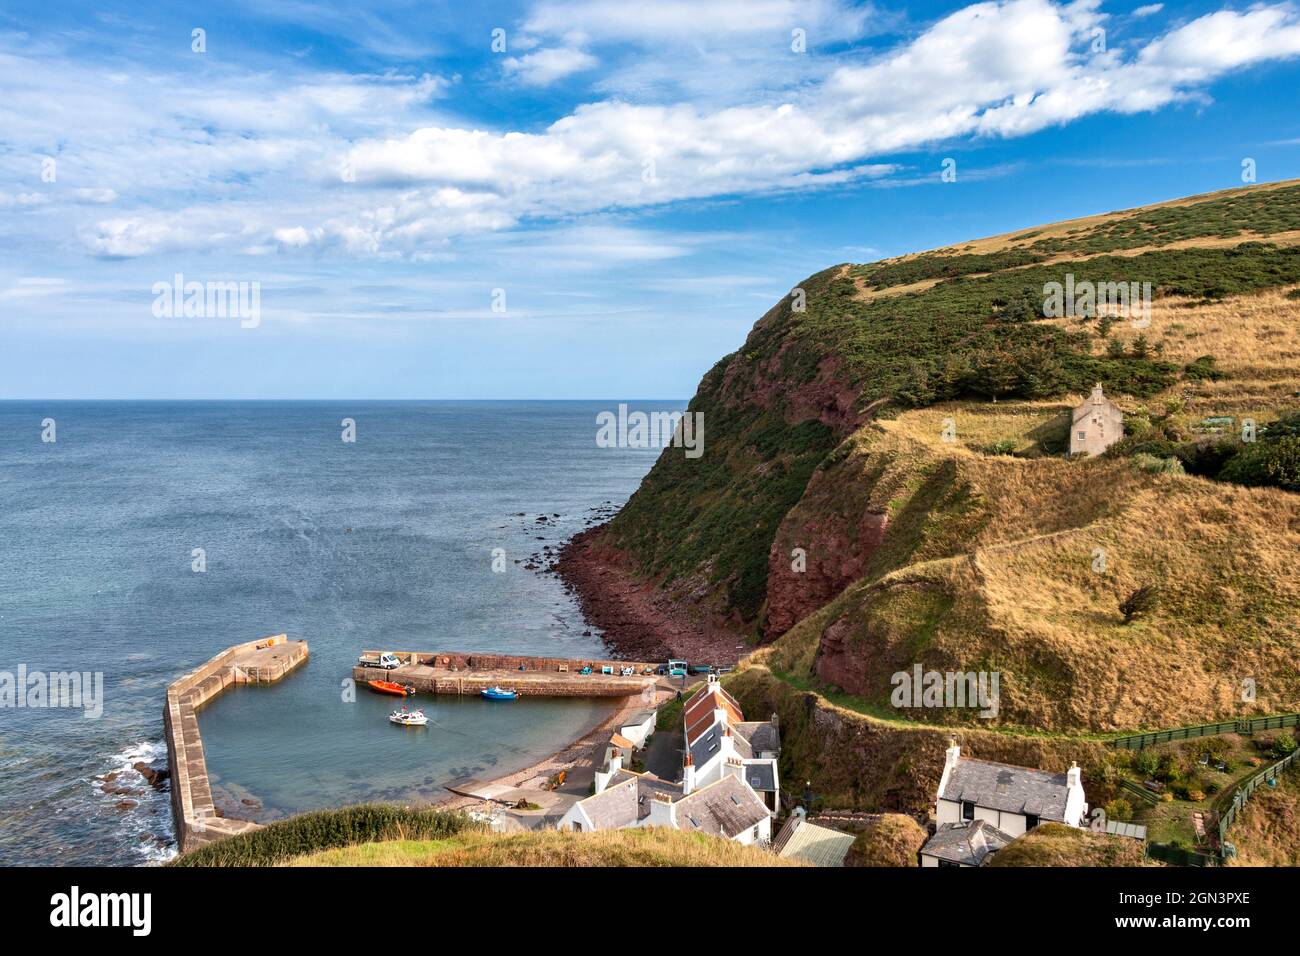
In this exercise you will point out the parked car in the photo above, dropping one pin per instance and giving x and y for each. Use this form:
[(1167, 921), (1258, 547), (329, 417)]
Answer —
[(386, 661), (678, 668)]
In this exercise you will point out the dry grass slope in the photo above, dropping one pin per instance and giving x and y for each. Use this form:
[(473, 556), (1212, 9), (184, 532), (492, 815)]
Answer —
[(649, 847), (1054, 844)]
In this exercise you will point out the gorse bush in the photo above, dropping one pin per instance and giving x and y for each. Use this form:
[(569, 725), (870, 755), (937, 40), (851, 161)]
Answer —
[(327, 829)]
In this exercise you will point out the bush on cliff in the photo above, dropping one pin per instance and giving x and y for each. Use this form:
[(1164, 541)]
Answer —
[(328, 829), (893, 840)]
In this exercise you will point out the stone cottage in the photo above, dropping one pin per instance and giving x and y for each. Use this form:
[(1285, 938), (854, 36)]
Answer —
[(1095, 425)]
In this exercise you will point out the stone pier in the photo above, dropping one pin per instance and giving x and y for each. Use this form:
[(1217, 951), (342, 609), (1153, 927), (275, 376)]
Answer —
[(254, 662), (459, 672)]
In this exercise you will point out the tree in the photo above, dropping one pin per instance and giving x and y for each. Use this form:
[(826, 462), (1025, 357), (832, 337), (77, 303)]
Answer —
[(1141, 601)]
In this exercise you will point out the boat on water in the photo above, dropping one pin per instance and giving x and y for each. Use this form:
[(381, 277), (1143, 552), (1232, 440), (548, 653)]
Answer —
[(498, 693), (408, 718), (390, 687)]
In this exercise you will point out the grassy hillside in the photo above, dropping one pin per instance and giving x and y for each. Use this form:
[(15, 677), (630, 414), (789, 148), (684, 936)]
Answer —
[(966, 324), (551, 849), (990, 562), (1268, 831), (1054, 844)]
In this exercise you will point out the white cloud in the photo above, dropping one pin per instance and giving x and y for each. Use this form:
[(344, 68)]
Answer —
[(250, 162), (546, 66), (1149, 9)]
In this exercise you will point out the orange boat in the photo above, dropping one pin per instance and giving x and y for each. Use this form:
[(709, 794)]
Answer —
[(388, 687)]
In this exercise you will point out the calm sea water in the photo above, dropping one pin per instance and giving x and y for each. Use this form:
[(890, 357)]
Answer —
[(383, 542)]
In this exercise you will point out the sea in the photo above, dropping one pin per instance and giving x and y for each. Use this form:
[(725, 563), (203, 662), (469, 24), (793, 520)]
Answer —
[(138, 539)]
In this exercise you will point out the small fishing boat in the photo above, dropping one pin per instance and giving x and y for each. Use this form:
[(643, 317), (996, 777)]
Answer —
[(497, 693), (408, 718), (389, 687)]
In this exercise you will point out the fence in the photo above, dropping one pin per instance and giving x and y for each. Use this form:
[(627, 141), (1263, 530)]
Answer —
[(1179, 856), (1235, 800), (1250, 726)]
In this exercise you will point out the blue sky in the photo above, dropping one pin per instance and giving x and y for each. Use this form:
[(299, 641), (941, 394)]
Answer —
[(641, 183)]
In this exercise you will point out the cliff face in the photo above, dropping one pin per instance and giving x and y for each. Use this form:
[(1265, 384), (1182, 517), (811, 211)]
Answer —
[(883, 477)]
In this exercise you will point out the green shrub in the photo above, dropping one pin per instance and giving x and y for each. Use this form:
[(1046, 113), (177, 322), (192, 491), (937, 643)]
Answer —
[(1146, 763), (1119, 809), (1158, 466), (325, 830), (1282, 746), (1266, 463)]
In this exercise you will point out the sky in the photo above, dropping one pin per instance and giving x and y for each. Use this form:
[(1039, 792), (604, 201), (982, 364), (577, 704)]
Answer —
[(561, 198)]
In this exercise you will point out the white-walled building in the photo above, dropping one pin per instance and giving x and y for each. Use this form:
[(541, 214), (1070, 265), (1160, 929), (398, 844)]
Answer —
[(729, 786), (963, 844), (1013, 799)]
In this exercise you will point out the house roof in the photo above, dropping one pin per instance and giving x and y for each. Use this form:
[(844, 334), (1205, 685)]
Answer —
[(639, 718), (1000, 786), (724, 808), (969, 842), (618, 740), (761, 735), (647, 785), (698, 713), (614, 807), (820, 846), (761, 775), (708, 744)]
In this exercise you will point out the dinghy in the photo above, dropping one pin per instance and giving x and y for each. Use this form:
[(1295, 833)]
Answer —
[(497, 693), (389, 687)]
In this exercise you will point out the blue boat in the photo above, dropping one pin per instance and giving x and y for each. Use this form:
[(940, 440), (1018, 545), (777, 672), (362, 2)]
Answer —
[(497, 693)]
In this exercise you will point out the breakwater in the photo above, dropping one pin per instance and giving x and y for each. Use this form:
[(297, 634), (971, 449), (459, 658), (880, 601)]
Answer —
[(254, 662)]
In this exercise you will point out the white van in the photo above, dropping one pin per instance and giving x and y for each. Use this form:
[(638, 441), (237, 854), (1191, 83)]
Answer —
[(386, 661)]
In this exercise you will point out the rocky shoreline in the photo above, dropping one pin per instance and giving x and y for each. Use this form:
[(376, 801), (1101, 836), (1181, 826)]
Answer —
[(639, 621)]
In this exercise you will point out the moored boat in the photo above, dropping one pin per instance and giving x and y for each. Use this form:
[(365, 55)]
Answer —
[(390, 687), (498, 693), (408, 718)]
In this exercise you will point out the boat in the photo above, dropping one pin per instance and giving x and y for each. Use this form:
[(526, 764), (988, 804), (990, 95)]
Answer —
[(408, 718), (497, 693), (389, 687)]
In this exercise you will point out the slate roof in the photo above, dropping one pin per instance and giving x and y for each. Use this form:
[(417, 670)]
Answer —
[(725, 808), (820, 846), (637, 719), (761, 776), (614, 807), (761, 735), (1000, 786), (708, 744), (969, 842), (647, 785)]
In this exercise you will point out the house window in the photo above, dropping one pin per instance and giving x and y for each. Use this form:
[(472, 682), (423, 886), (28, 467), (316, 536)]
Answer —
[(967, 810), (949, 863), (577, 827), (1082, 435), (1031, 821)]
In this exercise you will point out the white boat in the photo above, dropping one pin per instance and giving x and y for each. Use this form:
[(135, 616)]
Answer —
[(408, 718)]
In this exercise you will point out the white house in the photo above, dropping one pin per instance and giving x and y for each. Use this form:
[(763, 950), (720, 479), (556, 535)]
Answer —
[(716, 732), (638, 727), (1095, 425), (969, 843), (729, 786), (1012, 799)]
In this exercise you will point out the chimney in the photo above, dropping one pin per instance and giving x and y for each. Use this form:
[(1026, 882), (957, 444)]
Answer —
[(688, 775), (734, 768), (1074, 776), (662, 812), (776, 720), (612, 766), (1097, 397), (954, 752)]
